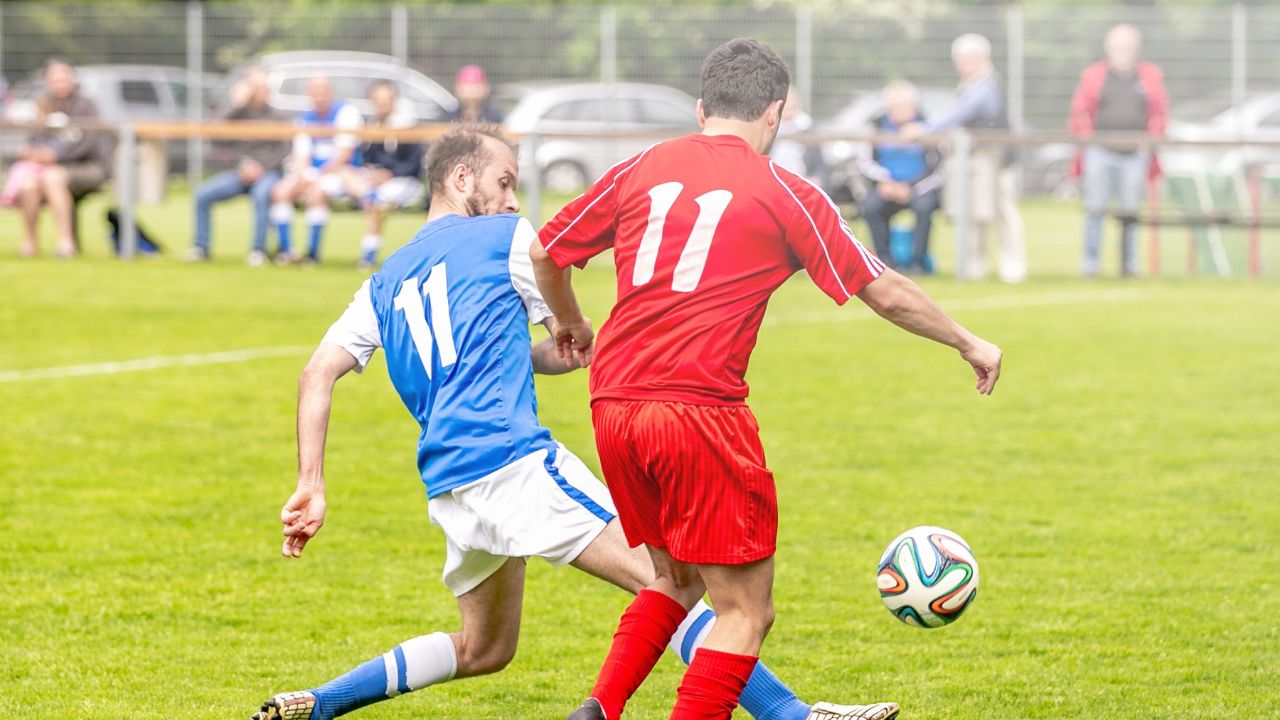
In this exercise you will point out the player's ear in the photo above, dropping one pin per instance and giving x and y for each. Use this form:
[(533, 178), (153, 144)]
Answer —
[(462, 178), (702, 116), (774, 114)]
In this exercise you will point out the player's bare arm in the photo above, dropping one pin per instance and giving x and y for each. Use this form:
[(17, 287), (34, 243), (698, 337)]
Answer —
[(897, 299), (303, 514), (548, 361), (571, 331)]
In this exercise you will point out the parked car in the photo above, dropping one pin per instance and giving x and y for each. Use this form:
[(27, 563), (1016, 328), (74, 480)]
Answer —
[(568, 164), (1257, 117), (352, 73), (121, 92)]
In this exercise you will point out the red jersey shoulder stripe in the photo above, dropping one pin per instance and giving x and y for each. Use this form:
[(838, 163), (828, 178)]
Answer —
[(632, 160), (874, 266)]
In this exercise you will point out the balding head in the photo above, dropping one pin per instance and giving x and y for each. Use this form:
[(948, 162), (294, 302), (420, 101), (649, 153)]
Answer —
[(1122, 46), (971, 55), (320, 90), (901, 102)]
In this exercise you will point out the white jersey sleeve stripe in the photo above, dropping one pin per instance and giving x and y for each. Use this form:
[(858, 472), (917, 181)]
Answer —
[(873, 262), (521, 268), (814, 225), (601, 196)]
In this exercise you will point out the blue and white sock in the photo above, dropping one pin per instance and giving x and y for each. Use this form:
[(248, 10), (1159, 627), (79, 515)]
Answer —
[(316, 218), (765, 696), (282, 216), (369, 245), (411, 665)]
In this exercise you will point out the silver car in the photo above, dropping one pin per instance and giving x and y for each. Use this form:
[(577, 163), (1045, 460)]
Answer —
[(568, 164), (352, 73)]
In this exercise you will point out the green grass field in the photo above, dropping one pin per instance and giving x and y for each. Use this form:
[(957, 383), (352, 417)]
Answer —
[(1120, 491)]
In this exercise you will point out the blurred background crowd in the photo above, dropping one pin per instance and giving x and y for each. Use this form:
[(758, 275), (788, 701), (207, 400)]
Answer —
[(577, 73)]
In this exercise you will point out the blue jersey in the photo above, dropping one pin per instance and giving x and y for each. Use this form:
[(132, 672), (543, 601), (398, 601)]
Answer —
[(452, 311), (323, 148)]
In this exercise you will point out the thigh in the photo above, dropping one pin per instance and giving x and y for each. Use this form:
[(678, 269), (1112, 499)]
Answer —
[(262, 187), (1133, 182), (612, 559), (925, 203), (1094, 186), (719, 503), (222, 186), (84, 177), (491, 611), (632, 487)]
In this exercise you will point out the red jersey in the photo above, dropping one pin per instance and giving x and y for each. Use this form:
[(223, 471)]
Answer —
[(704, 229)]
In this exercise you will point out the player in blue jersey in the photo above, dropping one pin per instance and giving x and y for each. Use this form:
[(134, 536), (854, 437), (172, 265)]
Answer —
[(452, 310), (316, 168)]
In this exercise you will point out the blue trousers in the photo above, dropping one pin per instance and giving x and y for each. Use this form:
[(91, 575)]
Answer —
[(227, 185), (1112, 176), (878, 212)]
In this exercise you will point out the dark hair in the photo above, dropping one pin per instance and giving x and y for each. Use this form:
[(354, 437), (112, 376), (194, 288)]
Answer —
[(382, 84), (463, 145), (741, 78)]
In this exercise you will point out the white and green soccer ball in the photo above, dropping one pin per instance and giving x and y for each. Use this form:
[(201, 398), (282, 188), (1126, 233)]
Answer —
[(927, 577)]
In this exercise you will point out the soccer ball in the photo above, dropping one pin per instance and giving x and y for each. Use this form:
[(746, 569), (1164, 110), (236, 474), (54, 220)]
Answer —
[(927, 577)]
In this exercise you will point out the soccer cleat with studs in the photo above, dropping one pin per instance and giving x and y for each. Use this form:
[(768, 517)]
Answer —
[(874, 711), (288, 706), (589, 710)]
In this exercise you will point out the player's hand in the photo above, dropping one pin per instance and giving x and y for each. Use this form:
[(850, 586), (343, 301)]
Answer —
[(302, 517), (574, 341), (985, 358)]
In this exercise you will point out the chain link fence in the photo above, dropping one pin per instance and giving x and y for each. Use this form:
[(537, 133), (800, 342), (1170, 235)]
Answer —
[(1207, 52)]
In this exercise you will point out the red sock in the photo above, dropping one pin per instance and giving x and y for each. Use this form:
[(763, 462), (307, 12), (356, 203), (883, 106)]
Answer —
[(643, 633), (712, 685)]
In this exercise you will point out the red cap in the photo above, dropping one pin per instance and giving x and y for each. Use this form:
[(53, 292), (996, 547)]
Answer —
[(470, 75)]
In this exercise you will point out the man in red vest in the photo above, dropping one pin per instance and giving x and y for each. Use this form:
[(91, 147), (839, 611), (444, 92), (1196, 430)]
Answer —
[(1118, 94)]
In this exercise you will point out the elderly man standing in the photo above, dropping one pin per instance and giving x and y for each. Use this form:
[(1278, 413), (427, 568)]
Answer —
[(903, 176), (1118, 94), (62, 163), (993, 183)]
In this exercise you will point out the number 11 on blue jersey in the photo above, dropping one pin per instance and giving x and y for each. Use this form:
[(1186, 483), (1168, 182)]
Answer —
[(410, 301)]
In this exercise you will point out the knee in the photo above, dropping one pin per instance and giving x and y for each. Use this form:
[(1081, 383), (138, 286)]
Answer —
[(475, 658), (758, 620), (54, 176)]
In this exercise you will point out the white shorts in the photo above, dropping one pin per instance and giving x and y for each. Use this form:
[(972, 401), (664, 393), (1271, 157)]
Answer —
[(332, 185), (399, 192), (537, 506)]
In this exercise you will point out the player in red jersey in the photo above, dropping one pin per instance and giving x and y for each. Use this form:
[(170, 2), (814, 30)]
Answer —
[(704, 228)]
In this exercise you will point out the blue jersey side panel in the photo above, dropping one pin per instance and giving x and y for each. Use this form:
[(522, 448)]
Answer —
[(479, 413)]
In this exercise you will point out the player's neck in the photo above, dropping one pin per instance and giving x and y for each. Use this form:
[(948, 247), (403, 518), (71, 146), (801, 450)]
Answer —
[(443, 207), (755, 134)]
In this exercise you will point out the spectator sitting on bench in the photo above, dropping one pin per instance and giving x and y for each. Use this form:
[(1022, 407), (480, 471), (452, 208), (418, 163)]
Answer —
[(904, 176), (315, 168), (256, 172), (391, 176), (60, 164)]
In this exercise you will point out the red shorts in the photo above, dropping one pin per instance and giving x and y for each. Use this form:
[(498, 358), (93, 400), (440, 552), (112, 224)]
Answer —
[(689, 479)]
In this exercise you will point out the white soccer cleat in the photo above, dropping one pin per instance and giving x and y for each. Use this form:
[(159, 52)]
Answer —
[(288, 706), (874, 711)]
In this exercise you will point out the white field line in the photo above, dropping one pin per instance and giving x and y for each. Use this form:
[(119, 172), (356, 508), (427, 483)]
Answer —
[(152, 363), (991, 302), (1012, 300)]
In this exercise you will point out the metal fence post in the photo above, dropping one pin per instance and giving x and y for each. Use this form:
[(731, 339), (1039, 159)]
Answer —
[(400, 32), (127, 190), (1239, 59), (962, 156), (1015, 32), (608, 44), (195, 89), (533, 195), (804, 56)]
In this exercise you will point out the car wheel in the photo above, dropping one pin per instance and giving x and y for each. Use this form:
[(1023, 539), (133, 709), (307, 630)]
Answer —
[(564, 176)]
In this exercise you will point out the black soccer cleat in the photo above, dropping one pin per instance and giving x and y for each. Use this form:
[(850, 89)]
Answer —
[(589, 710)]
